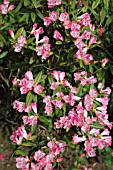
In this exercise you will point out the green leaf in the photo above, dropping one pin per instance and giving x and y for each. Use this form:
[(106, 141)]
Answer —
[(39, 14), (44, 120), (96, 125), (19, 153), (2, 39), (95, 4), (33, 128), (33, 16), (38, 77), (19, 32), (27, 2), (29, 98), (32, 137), (29, 144), (18, 7), (50, 79), (35, 3), (58, 42), (3, 54), (30, 40), (103, 15), (5, 26)]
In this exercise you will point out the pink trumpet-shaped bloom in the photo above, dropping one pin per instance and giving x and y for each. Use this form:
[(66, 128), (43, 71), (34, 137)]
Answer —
[(57, 35), (11, 33)]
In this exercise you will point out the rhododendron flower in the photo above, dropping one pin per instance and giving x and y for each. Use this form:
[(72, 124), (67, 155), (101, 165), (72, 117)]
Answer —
[(37, 33), (22, 162), (59, 76), (34, 28), (57, 103), (11, 33), (101, 30), (104, 61), (85, 19), (86, 35), (93, 40), (53, 15), (79, 43), (75, 33), (37, 89), (39, 155), (104, 100), (4, 7), (67, 24), (52, 3), (18, 47), (47, 21), (22, 40), (77, 139), (31, 120), (20, 106), (57, 35), (75, 26), (64, 16)]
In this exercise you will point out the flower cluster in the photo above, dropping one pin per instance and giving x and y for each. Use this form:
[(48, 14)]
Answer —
[(42, 160), (21, 41), (82, 40), (27, 83), (5, 8)]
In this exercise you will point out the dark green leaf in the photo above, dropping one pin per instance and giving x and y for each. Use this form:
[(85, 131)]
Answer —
[(3, 54), (29, 98)]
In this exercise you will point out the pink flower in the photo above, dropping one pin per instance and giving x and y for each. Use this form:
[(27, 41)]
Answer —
[(19, 106), (75, 33), (57, 103), (77, 139), (34, 28), (11, 7), (93, 40), (79, 43), (39, 155), (85, 19), (53, 15), (48, 109), (37, 89), (57, 35), (64, 16), (104, 100), (93, 93), (22, 40), (11, 33), (52, 3), (67, 24), (6, 2), (86, 35), (18, 47), (104, 61), (31, 120), (59, 76), (37, 33), (22, 162), (29, 75), (4, 8), (47, 21), (47, 99), (88, 58), (101, 30), (75, 26)]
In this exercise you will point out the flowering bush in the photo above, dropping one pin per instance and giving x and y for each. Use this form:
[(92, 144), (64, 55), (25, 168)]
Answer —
[(58, 82)]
